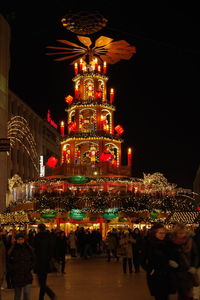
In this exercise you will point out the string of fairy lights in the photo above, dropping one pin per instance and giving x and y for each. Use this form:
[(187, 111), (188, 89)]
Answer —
[(93, 135), (92, 102), (19, 132), (179, 201)]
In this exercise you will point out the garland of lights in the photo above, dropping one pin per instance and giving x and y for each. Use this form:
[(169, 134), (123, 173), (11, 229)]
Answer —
[(96, 135), (58, 180), (155, 197), (92, 74), (89, 103), (126, 202), (19, 131)]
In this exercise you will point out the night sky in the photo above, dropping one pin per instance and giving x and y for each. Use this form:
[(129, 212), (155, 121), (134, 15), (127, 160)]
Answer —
[(157, 90)]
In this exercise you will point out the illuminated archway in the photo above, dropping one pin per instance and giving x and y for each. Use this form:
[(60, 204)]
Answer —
[(19, 132), (87, 120)]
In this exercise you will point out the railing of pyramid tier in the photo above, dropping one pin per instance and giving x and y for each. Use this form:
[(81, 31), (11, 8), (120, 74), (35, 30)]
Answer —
[(103, 169)]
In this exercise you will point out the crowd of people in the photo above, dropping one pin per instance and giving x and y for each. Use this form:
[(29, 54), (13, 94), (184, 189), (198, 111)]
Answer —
[(170, 257)]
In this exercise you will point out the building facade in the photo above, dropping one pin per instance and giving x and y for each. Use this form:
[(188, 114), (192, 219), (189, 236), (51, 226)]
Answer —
[(196, 184), (4, 69), (33, 140)]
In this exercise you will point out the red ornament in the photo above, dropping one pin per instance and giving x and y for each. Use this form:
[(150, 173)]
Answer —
[(72, 126), (98, 94), (119, 129), (51, 162), (69, 99), (106, 156)]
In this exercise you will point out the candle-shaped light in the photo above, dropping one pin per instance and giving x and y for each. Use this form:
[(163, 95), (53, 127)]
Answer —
[(81, 64), (99, 68), (102, 121), (76, 92), (62, 128), (111, 95), (95, 64), (104, 67), (64, 154), (75, 68), (129, 157), (84, 68)]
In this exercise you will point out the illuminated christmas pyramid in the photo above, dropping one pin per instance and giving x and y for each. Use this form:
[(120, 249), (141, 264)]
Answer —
[(92, 146)]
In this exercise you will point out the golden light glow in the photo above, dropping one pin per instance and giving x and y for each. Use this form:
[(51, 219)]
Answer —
[(112, 91), (129, 150), (62, 123)]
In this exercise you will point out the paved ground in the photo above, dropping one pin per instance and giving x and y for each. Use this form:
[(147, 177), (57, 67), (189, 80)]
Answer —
[(93, 279)]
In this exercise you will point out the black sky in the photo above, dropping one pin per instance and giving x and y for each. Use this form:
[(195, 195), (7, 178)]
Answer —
[(157, 90)]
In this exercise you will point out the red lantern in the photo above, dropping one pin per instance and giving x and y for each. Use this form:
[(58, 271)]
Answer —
[(72, 126), (51, 162), (98, 94), (119, 129), (106, 156), (69, 99)]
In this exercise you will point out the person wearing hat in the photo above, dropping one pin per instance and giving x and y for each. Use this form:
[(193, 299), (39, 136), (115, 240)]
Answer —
[(2, 260), (21, 262)]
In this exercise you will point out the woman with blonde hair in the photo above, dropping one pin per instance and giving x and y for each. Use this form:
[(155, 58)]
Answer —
[(184, 259)]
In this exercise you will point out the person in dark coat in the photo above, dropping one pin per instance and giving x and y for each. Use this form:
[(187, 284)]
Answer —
[(196, 289), (2, 260), (61, 245), (21, 262), (155, 260), (184, 260), (44, 249), (136, 247), (81, 241)]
